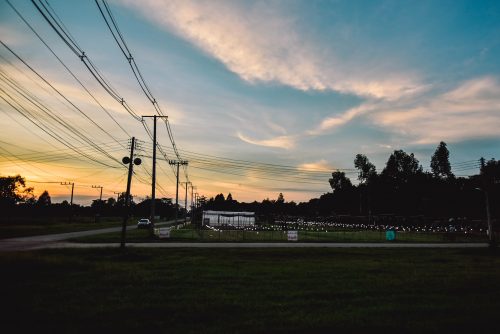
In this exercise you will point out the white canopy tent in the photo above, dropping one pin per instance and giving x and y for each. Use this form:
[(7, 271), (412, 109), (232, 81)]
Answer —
[(228, 218)]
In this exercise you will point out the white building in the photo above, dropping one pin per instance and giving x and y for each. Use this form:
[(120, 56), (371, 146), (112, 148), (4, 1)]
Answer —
[(228, 218)]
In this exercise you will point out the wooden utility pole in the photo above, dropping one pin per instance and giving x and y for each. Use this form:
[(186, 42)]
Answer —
[(196, 196), (72, 184), (99, 204), (153, 181), (130, 161), (186, 200), (97, 187), (177, 163)]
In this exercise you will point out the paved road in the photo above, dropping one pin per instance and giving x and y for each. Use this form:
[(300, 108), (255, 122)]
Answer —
[(45, 241)]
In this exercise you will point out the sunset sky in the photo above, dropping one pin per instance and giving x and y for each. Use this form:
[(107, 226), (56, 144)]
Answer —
[(305, 85)]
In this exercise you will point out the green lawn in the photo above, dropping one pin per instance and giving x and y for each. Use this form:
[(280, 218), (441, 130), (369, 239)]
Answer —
[(251, 290)]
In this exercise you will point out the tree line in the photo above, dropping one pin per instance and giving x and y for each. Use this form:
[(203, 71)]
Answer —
[(18, 200), (401, 189)]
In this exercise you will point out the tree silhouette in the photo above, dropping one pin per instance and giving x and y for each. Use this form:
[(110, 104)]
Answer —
[(440, 163), (366, 174), (339, 181), (281, 198), (111, 202), (122, 199), (366, 169), (219, 198), (13, 190), (44, 199), (230, 204), (490, 171), (401, 167)]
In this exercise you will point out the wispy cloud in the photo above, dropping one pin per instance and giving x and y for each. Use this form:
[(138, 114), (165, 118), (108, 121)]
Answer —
[(475, 93), (262, 42), (321, 165), (333, 122), (285, 142), (468, 111)]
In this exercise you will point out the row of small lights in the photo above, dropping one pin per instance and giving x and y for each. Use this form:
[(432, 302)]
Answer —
[(279, 228)]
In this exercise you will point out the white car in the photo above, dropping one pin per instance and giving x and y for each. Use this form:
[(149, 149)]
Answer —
[(144, 223)]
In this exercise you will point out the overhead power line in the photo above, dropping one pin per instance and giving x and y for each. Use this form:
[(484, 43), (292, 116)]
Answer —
[(57, 25), (67, 68), (48, 157), (45, 119), (54, 21), (53, 135), (112, 25), (57, 91)]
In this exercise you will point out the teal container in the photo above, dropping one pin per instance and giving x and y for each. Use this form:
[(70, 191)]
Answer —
[(390, 235)]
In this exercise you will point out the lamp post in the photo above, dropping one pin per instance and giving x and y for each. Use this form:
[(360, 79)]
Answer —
[(491, 236)]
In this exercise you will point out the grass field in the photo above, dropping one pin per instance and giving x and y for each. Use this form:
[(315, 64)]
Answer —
[(192, 235), (39, 226), (251, 290)]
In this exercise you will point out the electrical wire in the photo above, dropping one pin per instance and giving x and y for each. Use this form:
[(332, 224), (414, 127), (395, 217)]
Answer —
[(120, 41), (57, 91), (66, 67), (56, 24), (66, 128)]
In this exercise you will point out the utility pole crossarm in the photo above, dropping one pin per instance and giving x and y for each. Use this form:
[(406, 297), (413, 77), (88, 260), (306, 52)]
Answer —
[(99, 187), (72, 184)]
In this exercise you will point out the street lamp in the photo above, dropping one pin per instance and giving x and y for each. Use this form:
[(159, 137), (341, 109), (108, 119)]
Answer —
[(491, 236)]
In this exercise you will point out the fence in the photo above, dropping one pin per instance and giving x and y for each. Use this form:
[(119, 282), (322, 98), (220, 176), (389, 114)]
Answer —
[(339, 235)]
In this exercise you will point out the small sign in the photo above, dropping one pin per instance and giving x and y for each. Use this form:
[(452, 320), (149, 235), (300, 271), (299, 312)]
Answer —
[(164, 232), (293, 235)]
